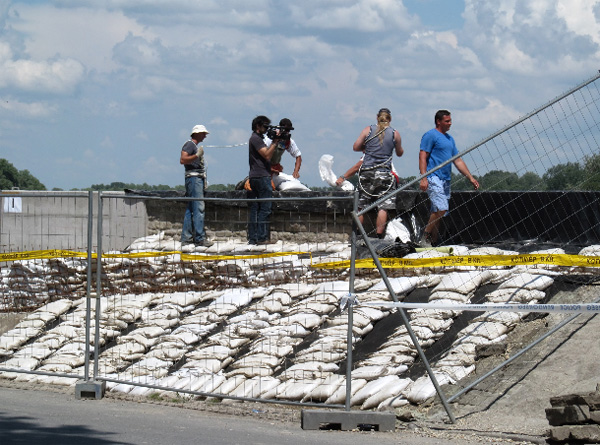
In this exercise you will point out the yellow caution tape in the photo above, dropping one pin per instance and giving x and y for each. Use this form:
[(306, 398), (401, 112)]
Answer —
[(41, 254), (388, 263), (470, 260), (48, 254)]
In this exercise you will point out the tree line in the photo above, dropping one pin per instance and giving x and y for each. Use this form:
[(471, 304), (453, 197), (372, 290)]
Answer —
[(569, 176)]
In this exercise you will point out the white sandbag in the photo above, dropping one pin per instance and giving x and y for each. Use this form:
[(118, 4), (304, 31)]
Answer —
[(422, 388), (214, 352), (297, 389), (237, 297), (593, 250), (309, 371), (253, 371), (489, 330), (396, 230), (393, 402), (507, 318), (58, 307), (285, 182), (456, 372), (436, 325), (458, 297), (327, 175), (373, 387), (528, 281), (369, 372), (391, 389), (462, 282), (306, 320), (230, 384), (25, 363), (515, 295), (260, 359), (400, 285), (339, 396), (208, 365), (479, 340), (325, 388), (212, 383)]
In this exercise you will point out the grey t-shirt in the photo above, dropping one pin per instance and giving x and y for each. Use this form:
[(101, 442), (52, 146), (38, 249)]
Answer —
[(259, 166), (197, 166)]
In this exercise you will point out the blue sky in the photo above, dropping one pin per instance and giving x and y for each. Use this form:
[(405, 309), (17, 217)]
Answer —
[(95, 92)]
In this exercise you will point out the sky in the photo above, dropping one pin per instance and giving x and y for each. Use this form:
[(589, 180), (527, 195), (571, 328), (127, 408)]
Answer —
[(97, 92)]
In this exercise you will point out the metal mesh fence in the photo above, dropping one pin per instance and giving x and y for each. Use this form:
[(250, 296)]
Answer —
[(238, 322)]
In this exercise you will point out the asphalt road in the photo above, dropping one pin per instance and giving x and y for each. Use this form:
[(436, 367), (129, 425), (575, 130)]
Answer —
[(51, 418)]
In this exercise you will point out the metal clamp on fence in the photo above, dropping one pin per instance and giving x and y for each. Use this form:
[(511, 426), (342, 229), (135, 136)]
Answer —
[(348, 299)]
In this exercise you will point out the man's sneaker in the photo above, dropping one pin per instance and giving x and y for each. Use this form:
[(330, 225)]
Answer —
[(204, 243), (265, 242)]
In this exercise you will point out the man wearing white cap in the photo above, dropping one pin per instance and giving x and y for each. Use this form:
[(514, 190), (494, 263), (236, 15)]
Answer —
[(192, 158)]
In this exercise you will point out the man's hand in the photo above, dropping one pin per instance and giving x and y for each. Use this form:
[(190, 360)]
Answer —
[(423, 184)]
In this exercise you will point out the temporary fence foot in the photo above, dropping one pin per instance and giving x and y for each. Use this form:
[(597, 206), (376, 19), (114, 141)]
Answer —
[(348, 420), (90, 389)]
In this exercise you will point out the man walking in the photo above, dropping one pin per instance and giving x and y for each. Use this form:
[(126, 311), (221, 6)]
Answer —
[(437, 146)]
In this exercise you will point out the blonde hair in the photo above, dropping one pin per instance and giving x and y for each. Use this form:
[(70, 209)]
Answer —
[(383, 121)]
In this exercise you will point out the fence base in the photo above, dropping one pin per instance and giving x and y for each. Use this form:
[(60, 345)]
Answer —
[(90, 389), (348, 420)]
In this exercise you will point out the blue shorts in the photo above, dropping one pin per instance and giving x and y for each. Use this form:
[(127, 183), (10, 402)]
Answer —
[(439, 193)]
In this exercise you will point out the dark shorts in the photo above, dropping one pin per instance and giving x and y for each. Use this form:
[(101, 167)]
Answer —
[(373, 185)]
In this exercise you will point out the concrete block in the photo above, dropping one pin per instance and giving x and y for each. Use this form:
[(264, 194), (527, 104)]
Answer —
[(568, 415), (90, 389), (348, 420)]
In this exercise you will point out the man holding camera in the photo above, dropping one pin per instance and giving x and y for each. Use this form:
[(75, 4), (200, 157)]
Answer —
[(286, 143), (259, 157)]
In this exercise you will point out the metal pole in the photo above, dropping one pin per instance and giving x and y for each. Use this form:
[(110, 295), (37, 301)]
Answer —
[(88, 300), (98, 286), (405, 320), (349, 337)]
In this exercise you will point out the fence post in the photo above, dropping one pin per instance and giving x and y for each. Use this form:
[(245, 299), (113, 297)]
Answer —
[(92, 388)]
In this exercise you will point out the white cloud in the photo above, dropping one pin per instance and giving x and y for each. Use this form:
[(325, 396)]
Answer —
[(362, 15), (10, 107), (53, 76), (87, 35), (146, 71)]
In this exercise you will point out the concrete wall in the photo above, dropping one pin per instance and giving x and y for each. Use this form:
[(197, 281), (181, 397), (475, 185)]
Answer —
[(59, 220)]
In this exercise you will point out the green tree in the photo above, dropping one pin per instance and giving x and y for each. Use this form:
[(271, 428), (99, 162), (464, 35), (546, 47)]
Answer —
[(591, 171), (499, 180), (567, 176), (11, 177), (530, 181), (459, 183)]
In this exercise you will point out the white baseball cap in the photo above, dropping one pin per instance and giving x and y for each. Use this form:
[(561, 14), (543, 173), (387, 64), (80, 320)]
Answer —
[(199, 129)]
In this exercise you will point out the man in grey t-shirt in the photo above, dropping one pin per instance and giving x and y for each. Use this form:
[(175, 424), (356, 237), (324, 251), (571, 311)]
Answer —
[(192, 158)]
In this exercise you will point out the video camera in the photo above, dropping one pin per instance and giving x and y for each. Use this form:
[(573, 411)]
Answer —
[(277, 132)]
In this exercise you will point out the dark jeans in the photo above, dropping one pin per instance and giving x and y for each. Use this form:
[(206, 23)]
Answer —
[(193, 221), (258, 222)]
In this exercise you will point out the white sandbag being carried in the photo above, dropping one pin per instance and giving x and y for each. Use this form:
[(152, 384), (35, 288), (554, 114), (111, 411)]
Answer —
[(327, 175), (284, 182), (395, 229)]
